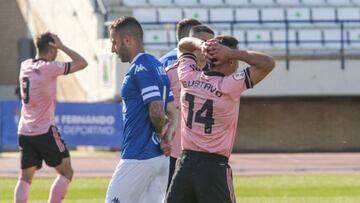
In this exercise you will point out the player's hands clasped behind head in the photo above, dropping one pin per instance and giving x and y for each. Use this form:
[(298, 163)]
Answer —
[(57, 42), (215, 52)]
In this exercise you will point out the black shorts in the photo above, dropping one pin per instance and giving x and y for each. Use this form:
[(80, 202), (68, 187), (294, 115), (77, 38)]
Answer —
[(201, 177), (48, 147), (171, 170)]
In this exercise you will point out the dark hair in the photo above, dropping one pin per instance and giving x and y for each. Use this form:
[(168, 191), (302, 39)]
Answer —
[(197, 29), (129, 25), (183, 27), (228, 41), (42, 42)]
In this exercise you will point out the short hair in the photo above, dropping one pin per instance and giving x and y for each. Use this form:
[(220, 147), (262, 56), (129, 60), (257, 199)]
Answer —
[(228, 41), (42, 42), (197, 29), (183, 27), (129, 25)]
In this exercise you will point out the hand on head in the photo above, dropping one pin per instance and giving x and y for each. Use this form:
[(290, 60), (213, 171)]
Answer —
[(57, 42), (215, 52)]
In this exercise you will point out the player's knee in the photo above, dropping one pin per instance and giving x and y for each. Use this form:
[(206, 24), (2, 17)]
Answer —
[(69, 173)]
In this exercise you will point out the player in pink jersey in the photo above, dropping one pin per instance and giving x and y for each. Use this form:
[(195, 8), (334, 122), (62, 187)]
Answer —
[(38, 137), (210, 101), (202, 32)]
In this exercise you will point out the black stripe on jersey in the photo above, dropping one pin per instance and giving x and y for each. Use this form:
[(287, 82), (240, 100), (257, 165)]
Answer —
[(248, 82), (67, 68), (214, 73), (188, 55)]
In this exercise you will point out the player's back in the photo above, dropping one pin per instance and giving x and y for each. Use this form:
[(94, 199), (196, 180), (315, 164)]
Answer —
[(38, 89), (210, 104)]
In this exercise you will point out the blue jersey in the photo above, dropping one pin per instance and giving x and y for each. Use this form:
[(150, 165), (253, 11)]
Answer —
[(169, 58), (145, 81)]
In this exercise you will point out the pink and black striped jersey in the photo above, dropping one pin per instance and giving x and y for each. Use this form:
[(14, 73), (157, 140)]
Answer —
[(210, 104), (38, 91)]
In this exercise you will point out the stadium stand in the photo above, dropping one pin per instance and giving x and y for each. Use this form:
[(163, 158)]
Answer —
[(311, 24)]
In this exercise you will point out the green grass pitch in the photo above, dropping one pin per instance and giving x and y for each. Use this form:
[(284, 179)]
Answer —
[(257, 189)]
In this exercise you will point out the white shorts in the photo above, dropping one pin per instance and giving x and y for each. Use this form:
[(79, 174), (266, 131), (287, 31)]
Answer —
[(139, 181)]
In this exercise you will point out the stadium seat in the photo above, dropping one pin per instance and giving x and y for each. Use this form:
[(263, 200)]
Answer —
[(356, 2), (310, 38), (200, 14), (263, 2), (247, 14), (298, 13), (323, 14), (354, 38), (239, 34), (155, 36), (160, 3), (314, 2), (221, 14), (288, 2), (145, 14), (170, 14), (212, 2), (172, 36), (269, 14), (339, 3), (135, 3), (279, 39), (237, 2), (332, 38), (259, 39), (348, 13), (186, 2)]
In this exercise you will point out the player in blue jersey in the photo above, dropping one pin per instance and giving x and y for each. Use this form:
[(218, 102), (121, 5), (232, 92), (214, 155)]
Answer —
[(182, 30), (150, 120)]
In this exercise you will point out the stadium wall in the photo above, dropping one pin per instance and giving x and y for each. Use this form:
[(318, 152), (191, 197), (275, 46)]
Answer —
[(12, 29), (298, 124)]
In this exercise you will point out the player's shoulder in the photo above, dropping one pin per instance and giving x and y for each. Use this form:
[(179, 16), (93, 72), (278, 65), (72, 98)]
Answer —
[(172, 67), (171, 55)]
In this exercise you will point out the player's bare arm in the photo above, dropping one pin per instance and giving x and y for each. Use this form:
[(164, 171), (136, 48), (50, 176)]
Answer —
[(190, 45), (157, 115), (260, 63), (77, 63), (171, 112)]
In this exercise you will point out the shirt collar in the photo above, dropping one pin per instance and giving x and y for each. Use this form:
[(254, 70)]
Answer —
[(136, 57)]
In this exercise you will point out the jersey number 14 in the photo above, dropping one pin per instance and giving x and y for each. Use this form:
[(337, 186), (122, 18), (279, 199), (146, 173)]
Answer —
[(207, 107)]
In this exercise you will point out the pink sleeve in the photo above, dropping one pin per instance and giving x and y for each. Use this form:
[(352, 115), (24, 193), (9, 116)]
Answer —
[(237, 83), (187, 64), (56, 68)]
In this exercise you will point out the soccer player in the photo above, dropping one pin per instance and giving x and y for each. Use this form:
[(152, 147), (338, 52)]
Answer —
[(202, 32), (39, 139), (142, 173), (182, 30), (210, 102)]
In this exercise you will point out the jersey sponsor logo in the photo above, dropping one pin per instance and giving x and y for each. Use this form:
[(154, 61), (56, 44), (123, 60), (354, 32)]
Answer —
[(239, 75), (59, 64), (155, 138), (139, 68)]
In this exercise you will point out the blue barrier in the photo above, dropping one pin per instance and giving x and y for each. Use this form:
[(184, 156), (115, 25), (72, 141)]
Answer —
[(94, 124)]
